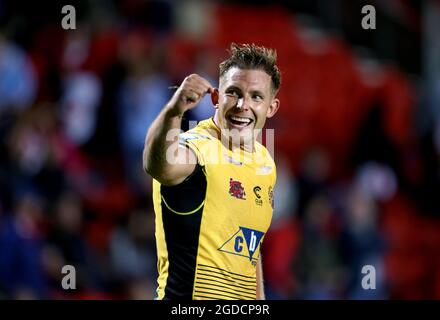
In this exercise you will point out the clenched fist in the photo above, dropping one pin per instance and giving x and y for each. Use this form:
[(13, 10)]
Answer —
[(189, 94)]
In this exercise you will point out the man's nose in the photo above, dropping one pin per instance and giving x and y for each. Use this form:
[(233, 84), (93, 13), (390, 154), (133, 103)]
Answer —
[(242, 103)]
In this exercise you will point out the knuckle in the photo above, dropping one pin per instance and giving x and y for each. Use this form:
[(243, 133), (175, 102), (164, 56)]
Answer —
[(191, 77)]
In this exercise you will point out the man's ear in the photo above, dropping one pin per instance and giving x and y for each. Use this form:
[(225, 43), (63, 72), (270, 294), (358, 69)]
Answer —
[(273, 108), (214, 98)]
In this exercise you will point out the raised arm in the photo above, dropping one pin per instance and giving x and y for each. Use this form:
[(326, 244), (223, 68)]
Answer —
[(163, 158)]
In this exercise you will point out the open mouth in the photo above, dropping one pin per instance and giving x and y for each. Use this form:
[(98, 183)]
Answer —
[(240, 121)]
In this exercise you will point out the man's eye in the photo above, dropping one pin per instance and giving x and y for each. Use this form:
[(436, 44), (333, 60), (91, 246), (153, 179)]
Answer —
[(257, 97), (232, 94)]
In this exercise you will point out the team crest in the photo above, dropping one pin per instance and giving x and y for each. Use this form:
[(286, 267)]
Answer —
[(236, 189), (245, 243)]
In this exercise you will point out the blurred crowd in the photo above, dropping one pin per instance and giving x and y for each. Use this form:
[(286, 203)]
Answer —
[(357, 184)]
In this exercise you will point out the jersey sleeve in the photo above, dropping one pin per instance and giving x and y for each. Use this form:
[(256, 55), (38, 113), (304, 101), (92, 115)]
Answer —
[(194, 142)]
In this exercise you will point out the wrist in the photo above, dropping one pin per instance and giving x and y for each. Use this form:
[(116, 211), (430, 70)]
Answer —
[(172, 111)]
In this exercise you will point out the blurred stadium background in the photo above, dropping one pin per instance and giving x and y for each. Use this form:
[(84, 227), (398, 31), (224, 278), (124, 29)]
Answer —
[(357, 141)]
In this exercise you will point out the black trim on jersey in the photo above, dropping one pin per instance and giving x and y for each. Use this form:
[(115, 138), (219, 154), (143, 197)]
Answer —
[(182, 232), (188, 195)]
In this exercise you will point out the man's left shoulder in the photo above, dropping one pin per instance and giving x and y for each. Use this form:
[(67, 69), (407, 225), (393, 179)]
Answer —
[(266, 163), (263, 152)]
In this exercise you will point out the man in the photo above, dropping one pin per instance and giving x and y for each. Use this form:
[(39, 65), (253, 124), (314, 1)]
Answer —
[(213, 185)]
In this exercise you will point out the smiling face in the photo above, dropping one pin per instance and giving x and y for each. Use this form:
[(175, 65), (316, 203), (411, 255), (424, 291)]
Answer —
[(244, 100)]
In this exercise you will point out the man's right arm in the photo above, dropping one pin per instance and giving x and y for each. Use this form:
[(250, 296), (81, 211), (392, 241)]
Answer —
[(163, 158)]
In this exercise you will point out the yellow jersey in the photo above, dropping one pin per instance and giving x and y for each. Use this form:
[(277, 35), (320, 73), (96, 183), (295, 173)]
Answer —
[(210, 227)]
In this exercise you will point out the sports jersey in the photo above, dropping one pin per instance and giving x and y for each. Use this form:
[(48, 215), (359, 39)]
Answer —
[(210, 227)]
